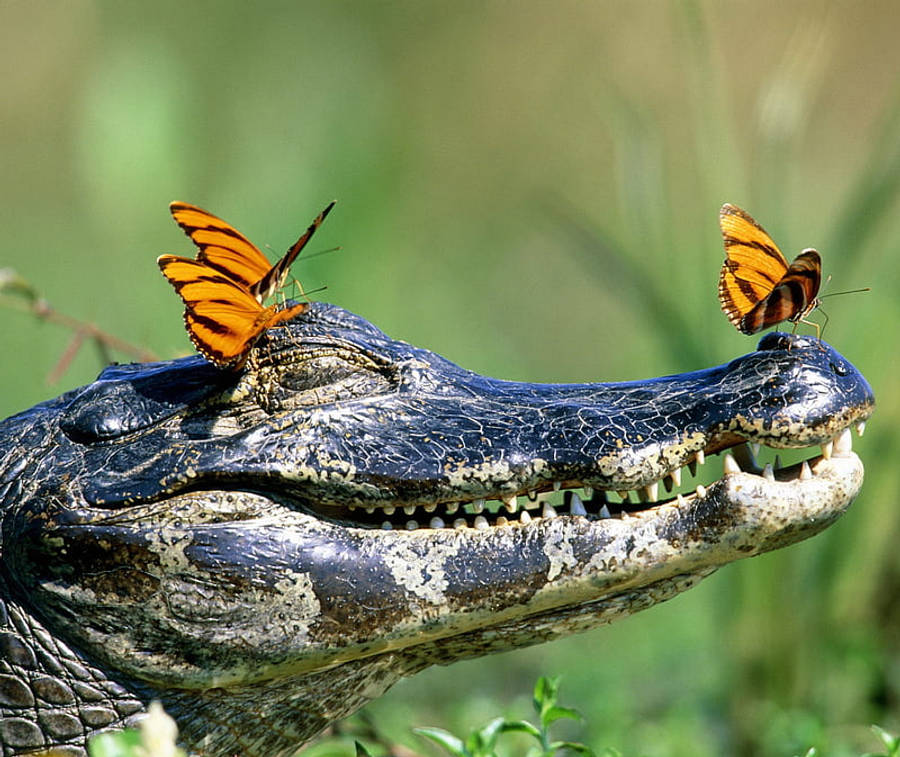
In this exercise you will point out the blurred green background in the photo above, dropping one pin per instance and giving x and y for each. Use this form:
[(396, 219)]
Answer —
[(531, 190)]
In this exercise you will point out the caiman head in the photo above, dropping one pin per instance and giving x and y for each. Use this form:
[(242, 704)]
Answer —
[(268, 551)]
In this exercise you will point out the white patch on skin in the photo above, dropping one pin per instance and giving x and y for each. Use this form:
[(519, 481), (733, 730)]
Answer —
[(559, 552), (422, 574)]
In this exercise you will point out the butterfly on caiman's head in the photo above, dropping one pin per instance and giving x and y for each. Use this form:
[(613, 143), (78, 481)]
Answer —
[(757, 287), (225, 287)]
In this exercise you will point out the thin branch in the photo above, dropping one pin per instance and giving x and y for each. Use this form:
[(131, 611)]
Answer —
[(18, 294)]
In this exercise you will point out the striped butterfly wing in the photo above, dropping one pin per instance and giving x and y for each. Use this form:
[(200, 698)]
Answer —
[(793, 297), (757, 287), (222, 318), (273, 280), (222, 247), (753, 265)]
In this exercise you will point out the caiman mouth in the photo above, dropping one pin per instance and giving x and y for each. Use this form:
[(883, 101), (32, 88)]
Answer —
[(835, 464)]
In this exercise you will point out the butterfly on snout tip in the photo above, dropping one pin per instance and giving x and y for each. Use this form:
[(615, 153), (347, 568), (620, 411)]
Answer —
[(225, 288), (757, 287)]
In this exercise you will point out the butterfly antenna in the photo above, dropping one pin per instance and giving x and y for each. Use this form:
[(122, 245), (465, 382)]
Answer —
[(846, 291)]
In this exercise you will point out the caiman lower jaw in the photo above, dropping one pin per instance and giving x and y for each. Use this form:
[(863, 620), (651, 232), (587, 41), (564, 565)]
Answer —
[(837, 469)]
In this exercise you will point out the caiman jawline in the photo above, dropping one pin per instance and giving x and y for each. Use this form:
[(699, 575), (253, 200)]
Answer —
[(836, 464)]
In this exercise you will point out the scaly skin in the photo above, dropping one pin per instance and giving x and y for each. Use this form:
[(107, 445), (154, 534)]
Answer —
[(266, 552)]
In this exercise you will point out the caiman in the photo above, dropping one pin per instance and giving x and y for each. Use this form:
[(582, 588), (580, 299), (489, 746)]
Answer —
[(265, 551)]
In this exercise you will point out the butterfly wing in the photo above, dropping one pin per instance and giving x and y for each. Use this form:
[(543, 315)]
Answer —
[(792, 298), (222, 247), (753, 267), (274, 279), (222, 318)]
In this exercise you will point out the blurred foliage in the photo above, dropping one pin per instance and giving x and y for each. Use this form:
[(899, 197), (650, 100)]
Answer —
[(531, 190)]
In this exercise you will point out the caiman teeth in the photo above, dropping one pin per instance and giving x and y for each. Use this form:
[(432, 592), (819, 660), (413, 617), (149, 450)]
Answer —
[(861, 428), (843, 445), (506, 509), (729, 464), (745, 456)]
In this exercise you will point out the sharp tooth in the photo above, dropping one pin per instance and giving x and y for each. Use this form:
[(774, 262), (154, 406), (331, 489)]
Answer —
[(805, 472), (861, 428), (778, 465), (651, 492), (351, 508), (768, 473), (675, 475), (729, 464), (604, 512), (532, 494), (481, 523), (701, 491), (409, 509), (511, 503), (436, 522), (576, 506), (692, 467), (548, 511), (501, 520), (452, 507), (478, 506), (680, 500), (843, 445), (388, 509), (459, 523), (557, 485), (623, 494), (754, 447), (411, 525), (524, 517), (746, 458), (386, 526), (430, 508), (588, 492), (370, 509), (827, 449), (701, 457)]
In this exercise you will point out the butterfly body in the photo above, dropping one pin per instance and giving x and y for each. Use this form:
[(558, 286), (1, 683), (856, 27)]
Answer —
[(757, 287), (225, 287)]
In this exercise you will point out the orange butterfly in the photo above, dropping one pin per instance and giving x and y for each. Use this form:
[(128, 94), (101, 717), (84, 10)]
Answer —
[(224, 288), (757, 287)]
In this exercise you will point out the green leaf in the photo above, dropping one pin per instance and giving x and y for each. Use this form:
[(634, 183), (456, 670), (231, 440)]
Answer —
[(119, 744), (444, 739), (361, 751), (546, 691), (573, 746), (891, 742), (555, 713), (521, 726)]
